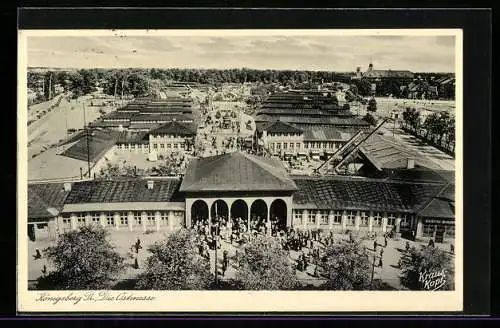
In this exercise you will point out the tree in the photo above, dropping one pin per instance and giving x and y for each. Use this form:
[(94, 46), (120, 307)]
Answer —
[(372, 105), (370, 119), (83, 259), (175, 264), (416, 263), (347, 266), (264, 265), (113, 171)]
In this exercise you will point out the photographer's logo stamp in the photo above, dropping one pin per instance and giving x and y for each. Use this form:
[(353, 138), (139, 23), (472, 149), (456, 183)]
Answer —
[(432, 280)]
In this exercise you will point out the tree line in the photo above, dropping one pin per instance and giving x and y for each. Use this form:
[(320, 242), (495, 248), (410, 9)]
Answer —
[(438, 128), (84, 259)]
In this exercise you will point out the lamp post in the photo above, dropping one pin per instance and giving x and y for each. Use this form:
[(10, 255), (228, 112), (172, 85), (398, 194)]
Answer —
[(373, 267)]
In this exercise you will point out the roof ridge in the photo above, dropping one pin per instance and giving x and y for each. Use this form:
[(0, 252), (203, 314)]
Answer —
[(265, 166), (433, 197)]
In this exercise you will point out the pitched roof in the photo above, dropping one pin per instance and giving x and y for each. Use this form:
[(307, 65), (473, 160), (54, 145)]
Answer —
[(282, 127), (236, 171), (129, 190), (387, 153), (363, 193), (99, 142), (442, 205), (328, 120), (43, 198), (174, 128), (325, 133)]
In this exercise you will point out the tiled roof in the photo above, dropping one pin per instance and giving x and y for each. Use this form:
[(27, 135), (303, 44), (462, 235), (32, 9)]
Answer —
[(44, 197), (143, 126), (175, 128), (118, 191), (160, 117), (388, 153), (442, 205), (363, 194), (98, 144), (132, 137), (117, 116), (330, 120), (236, 171), (102, 124), (282, 127), (325, 133)]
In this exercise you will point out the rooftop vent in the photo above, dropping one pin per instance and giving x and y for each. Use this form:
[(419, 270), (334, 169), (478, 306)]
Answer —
[(410, 163)]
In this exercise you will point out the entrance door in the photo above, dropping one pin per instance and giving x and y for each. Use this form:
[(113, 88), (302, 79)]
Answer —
[(439, 233), (31, 232)]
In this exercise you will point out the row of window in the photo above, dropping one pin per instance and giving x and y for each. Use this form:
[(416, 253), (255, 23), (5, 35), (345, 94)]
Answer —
[(430, 229), (168, 146), (132, 146), (163, 136), (272, 134), (307, 145), (121, 217), (351, 218)]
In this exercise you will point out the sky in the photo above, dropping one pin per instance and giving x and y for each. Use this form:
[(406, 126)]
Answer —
[(325, 53)]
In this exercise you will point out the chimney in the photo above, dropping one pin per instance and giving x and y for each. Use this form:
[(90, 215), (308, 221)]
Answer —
[(67, 186), (410, 163), (151, 184)]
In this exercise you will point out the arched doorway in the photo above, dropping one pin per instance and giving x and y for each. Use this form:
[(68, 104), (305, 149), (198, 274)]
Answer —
[(239, 209), (278, 213), (258, 213), (219, 209), (199, 211)]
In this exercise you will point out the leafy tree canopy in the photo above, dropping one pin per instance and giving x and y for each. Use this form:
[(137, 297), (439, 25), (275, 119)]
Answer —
[(264, 265), (83, 259), (175, 264)]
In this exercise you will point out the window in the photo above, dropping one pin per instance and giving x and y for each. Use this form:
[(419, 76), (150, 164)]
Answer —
[(272, 145), (151, 218), (405, 221), (306, 145), (162, 146), (429, 230), (377, 220), (337, 217), (323, 217), (164, 217), (125, 146), (363, 222), (137, 218), (449, 230), (110, 220), (146, 146), (291, 145), (176, 146), (96, 218), (391, 220), (285, 145), (124, 218), (80, 219), (67, 221), (297, 215), (155, 146), (169, 146), (132, 146), (297, 145), (351, 218), (311, 217), (278, 145), (119, 146)]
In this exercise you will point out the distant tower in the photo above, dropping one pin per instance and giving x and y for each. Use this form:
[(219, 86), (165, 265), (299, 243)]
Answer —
[(370, 67)]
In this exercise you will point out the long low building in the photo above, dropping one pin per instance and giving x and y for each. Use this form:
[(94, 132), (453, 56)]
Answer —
[(247, 186)]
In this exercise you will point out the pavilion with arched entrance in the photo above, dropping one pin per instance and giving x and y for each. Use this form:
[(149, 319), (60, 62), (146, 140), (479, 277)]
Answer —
[(238, 185)]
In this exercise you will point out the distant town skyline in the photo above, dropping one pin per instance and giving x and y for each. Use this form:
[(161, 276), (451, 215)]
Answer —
[(314, 53)]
